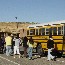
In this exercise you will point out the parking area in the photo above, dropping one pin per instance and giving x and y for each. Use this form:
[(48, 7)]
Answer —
[(10, 60)]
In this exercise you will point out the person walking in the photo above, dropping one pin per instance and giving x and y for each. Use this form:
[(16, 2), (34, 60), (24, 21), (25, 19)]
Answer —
[(30, 48), (50, 46), (16, 46), (8, 41), (25, 40)]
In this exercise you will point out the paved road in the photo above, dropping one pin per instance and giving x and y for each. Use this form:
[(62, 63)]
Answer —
[(9, 60)]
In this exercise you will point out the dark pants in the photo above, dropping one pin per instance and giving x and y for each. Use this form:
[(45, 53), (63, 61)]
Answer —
[(25, 51), (2, 49)]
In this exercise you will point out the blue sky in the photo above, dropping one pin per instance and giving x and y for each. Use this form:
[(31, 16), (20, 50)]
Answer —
[(32, 10)]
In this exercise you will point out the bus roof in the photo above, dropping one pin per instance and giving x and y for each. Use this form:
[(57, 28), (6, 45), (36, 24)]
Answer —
[(48, 23)]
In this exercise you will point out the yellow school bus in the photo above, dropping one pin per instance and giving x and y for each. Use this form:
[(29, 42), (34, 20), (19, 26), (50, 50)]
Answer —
[(41, 33)]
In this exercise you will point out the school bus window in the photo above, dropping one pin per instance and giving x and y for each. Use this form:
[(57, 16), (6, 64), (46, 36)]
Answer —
[(64, 30), (47, 31), (36, 31), (55, 31), (42, 31), (62, 27), (27, 32), (59, 30), (39, 31), (50, 31), (32, 31)]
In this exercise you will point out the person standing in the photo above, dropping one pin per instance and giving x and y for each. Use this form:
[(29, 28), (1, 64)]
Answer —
[(16, 46), (50, 46), (30, 48), (3, 42), (13, 43), (0, 45), (8, 41), (25, 40)]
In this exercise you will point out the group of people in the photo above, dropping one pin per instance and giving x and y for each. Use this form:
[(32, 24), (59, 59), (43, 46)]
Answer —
[(13, 46)]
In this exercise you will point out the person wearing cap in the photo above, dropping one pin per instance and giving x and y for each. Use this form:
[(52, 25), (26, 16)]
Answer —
[(50, 46)]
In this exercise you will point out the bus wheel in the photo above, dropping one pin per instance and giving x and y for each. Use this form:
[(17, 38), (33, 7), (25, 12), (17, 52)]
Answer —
[(39, 50)]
